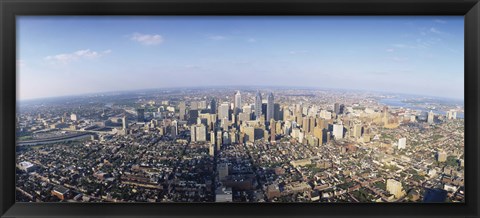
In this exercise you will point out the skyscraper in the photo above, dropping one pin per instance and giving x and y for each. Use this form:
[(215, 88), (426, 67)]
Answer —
[(223, 111), (238, 102), (140, 115), (402, 143), (270, 107), (73, 117), (451, 115), (201, 133), (338, 131), (357, 130), (272, 130), (395, 188), (213, 106), (430, 117), (182, 110), (277, 115), (258, 106), (336, 108), (124, 122)]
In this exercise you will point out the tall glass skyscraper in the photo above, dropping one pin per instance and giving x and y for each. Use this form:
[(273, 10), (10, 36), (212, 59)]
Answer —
[(258, 105)]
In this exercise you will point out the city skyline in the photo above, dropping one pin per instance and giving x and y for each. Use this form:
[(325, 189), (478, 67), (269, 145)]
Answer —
[(201, 145), (73, 55)]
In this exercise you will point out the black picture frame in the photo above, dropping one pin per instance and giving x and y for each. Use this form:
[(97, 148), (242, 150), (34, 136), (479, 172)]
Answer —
[(9, 9)]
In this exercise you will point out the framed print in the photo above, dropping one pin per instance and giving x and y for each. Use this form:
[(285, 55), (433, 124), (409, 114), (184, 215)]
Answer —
[(257, 108)]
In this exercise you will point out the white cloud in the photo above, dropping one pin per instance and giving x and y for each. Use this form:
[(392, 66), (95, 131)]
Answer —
[(398, 59), (147, 39), (251, 40), (400, 45), (390, 50), (298, 52), (217, 37), (77, 55), (434, 30)]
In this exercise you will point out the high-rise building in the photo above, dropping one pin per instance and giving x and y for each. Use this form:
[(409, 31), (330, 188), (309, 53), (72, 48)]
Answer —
[(192, 116), (385, 112), (305, 125), (451, 115), (430, 117), (357, 130), (193, 133), (338, 131), (233, 136), (336, 108), (140, 115), (277, 115), (249, 133), (318, 133), (201, 105), (213, 106), (182, 110), (342, 109), (311, 123), (73, 117), (225, 138), (264, 110), (402, 143), (272, 130), (395, 188), (219, 140), (238, 102), (247, 109), (223, 111), (201, 133), (270, 107), (258, 106), (124, 123), (198, 133), (194, 105), (441, 156), (211, 150), (212, 137)]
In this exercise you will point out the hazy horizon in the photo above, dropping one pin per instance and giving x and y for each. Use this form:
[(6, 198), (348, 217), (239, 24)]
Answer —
[(67, 56)]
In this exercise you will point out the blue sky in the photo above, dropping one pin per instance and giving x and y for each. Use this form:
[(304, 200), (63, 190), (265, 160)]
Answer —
[(72, 55)]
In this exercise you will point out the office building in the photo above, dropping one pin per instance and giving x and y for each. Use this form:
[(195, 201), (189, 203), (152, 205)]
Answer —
[(336, 108), (402, 143), (238, 102), (224, 111), (73, 117), (451, 115), (213, 106), (337, 131), (395, 188), (318, 133), (249, 133), (182, 110), (272, 130), (441, 156), (258, 106), (140, 115), (430, 117), (270, 107), (357, 131)]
